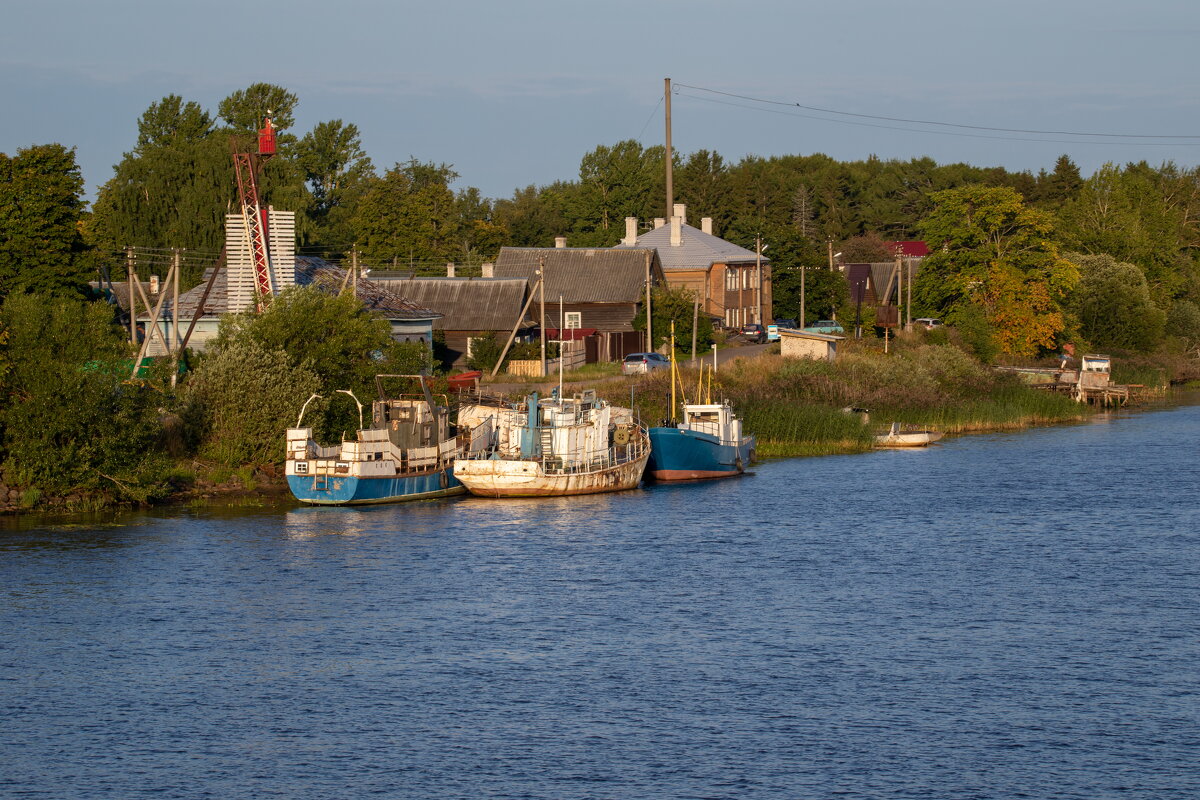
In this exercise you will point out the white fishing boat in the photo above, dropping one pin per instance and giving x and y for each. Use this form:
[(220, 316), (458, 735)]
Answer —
[(548, 447), (899, 436), (406, 453)]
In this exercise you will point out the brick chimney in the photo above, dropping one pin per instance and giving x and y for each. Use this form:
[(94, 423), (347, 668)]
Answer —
[(630, 231), (153, 284), (489, 269), (680, 210), (676, 231), (659, 222), (449, 269), (560, 242), (706, 225)]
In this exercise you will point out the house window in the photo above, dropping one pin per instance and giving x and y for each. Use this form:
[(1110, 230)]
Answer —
[(730, 279), (574, 319)]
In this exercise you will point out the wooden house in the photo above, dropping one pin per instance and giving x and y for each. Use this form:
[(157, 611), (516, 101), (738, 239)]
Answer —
[(470, 308), (733, 283), (600, 289)]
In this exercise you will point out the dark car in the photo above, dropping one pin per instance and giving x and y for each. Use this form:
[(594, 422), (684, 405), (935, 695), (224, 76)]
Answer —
[(785, 323), (754, 332), (637, 363)]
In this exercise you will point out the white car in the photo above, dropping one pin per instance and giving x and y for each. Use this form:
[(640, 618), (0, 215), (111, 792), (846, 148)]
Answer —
[(928, 323), (637, 363)]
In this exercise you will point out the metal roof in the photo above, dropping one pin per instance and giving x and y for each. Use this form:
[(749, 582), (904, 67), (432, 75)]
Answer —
[(696, 249), (582, 274), (310, 271), (466, 304)]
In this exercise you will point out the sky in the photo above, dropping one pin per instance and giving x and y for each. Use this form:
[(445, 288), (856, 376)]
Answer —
[(515, 93)]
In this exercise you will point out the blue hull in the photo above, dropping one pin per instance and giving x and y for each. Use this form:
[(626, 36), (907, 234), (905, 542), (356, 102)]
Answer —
[(349, 490), (683, 455)]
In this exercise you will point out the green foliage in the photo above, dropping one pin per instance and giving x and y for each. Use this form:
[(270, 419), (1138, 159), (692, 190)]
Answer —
[(1113, 304), (971, 324), (997, 255), (409, 213), (40, 212), (71, 420), (337, 170), (615, 182), (1142, 216), (485, 352), (245, 109), (241, 399), (334, 335), (676, 304), (1183, 321)]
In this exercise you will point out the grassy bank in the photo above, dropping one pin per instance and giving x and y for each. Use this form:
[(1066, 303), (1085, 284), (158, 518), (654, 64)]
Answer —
[(798, 407)]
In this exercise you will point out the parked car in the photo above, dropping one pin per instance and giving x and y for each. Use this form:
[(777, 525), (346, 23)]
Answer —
[(639, 363), (785, 323), (826, 326), (754, 332), (928, 323)]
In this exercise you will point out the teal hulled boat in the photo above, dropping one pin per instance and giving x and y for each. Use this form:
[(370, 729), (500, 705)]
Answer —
[(707, 443), (406, 454)]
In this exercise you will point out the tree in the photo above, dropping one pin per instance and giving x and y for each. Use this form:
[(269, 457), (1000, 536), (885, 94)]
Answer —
[(245, 109), (866, 249), (242, 396), (71, 419), (1113, 304), (676, 304), (338, 172), (993, 253), (409, 214), (615, 182), (40, 211)]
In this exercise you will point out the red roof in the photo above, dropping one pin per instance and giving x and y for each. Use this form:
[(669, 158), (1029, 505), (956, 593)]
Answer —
[(915, 249)]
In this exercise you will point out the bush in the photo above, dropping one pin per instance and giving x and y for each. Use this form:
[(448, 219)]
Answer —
[(241, 400), (72, 420)]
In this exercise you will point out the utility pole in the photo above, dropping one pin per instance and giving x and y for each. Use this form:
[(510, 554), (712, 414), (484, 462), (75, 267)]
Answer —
[(829, 244), (908, 306), (668, 158), (175, 339), (695, 324), (132, 297), (354, 266), (649, 312), (758, 315), (542, 299), (802, 270)]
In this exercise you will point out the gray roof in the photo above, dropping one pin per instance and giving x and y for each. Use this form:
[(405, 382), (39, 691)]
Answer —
[(466, 304), (310, 271), (696, 249), (582, 274)]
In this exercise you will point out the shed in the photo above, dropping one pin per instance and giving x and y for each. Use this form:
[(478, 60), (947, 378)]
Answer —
[(805, 344)]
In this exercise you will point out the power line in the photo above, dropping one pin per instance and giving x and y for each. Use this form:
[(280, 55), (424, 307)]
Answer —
[(943, 124), (934, 133)]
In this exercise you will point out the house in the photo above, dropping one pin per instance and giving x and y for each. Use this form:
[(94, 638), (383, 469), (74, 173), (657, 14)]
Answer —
[(733, 283), (804, 344), (470, 308), (597, 290), (410, 322)]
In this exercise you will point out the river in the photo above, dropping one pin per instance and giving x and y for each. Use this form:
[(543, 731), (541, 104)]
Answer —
[(1000, 616)]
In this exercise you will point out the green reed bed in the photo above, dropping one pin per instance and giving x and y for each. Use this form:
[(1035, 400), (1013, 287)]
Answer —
[(804, 407)]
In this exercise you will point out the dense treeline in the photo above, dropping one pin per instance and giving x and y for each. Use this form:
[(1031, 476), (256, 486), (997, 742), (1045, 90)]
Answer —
[(1021, 264)]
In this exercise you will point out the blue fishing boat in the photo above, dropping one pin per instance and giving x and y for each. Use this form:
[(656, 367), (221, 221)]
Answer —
[(407, 453), (706, 443)]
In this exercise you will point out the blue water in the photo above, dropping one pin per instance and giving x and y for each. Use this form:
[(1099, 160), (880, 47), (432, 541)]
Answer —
[(1000, 616)]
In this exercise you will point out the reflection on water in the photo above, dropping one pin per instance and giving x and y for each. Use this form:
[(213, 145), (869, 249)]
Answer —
[(998, 616)]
